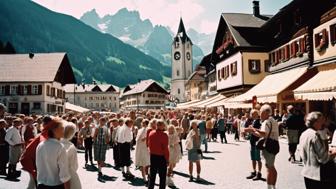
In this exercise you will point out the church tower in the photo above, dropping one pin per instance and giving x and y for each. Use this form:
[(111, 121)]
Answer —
[(181, 63)]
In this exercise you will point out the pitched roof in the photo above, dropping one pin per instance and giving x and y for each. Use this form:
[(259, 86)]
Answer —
[(198, 74), (41, 67), (245, 20), (242, 26), (181, 33), (89, 88), (143, 86)]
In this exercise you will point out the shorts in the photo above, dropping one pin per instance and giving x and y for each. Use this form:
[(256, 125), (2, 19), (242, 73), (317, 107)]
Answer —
[(293, 136), (255, 153), (269, 159)]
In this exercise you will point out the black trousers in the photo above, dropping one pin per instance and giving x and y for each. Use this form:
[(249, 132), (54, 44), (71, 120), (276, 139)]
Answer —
[(88, 149), (125, 154), (42, 186), (4, 157), (222, 136), (314, 184), (236, 137), (116, 155), (158, 166), (292, 148)]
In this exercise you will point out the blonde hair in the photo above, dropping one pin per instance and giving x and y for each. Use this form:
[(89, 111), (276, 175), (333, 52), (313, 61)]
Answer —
[(172, 127), (69, 130)]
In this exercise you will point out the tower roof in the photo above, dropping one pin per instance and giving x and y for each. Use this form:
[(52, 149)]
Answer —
[(181, 33)]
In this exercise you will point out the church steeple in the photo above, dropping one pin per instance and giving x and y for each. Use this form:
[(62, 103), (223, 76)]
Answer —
[(181, 32)]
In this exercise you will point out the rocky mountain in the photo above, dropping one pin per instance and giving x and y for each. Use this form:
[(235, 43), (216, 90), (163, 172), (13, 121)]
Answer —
[(93, 55), (153, 40)]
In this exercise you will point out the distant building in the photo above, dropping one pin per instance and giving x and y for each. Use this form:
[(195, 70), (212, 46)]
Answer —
[(196, 86), (146, 94), (210, 76), (181, 63), (100, 97), (33, 83)]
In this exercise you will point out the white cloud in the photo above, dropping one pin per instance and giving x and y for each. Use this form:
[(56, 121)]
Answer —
[(208, 26), (161, 12)]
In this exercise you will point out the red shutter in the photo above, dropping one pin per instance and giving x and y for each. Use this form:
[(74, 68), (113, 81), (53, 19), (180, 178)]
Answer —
[(287, 52), (218, 75), (39, 89), (303, 44), (222, 73), (295, 48), (29, 89)]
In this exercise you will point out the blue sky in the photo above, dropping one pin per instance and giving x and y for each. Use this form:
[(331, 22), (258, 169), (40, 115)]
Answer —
[(202, 15)]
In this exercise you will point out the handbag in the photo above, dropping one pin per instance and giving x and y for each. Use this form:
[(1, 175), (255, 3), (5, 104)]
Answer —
[(270, 145)]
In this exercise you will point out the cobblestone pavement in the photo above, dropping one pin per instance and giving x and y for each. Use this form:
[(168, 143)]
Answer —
[(224, 167)]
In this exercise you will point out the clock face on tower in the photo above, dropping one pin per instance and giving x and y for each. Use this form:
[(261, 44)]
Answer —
[(188, 55), (177, 55)]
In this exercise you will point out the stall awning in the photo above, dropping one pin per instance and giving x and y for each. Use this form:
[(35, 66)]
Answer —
[(199, 103), (75, 108), (268, 89), (227, 104), (186, 104), (204, 103), (320, 87)]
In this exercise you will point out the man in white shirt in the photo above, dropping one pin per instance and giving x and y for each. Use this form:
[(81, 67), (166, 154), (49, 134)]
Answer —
[(15, 141), (51, 160), (124, 139)]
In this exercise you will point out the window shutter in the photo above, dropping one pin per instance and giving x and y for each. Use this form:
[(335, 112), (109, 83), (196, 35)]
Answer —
[(223, 73), (325, 36), (227, 71), (29, 89), (287, 52), (48, 90), (63, 94), (7, 89), (317, 40), (20, 90), (258, 66), (332, 29), (303, 44), (39, 89), (295, 48), (218, 75), (267, 65)]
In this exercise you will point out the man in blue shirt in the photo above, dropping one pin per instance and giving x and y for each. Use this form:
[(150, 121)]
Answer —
[(202, 130)]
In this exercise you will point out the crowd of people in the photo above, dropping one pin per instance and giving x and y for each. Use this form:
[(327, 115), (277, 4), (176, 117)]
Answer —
[(46, 146)]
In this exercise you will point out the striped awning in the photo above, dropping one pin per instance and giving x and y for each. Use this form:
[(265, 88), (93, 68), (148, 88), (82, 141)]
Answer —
[(320, 87)]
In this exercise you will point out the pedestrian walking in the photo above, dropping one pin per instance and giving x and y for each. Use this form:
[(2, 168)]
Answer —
[(3, 148), (221, 128), (209, 127), (28, 131), (202, 131), (16, 143), (71, 153), (86, 134), (142, 157), (174, 153), (193, 143), (293, 127), (125, 137), (269, 131), (101, 141), (116, 158), (254, 151), (319, 168), (51, 159), (159, 155), (28, 157)]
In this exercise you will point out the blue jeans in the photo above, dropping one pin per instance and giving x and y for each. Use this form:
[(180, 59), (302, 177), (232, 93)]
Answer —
[(204, 141)]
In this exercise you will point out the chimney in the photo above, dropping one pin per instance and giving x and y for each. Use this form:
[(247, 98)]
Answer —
[(31, 55), (256, 9)]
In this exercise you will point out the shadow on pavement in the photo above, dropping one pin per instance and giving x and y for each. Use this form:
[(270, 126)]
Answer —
[(136, 181), (105, 178), (91, 168), (108, 165), (181, 174), (204, 182), (213, 152), (208, 158)]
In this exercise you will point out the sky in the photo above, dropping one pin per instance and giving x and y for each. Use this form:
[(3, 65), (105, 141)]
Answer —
[(201, 15)]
